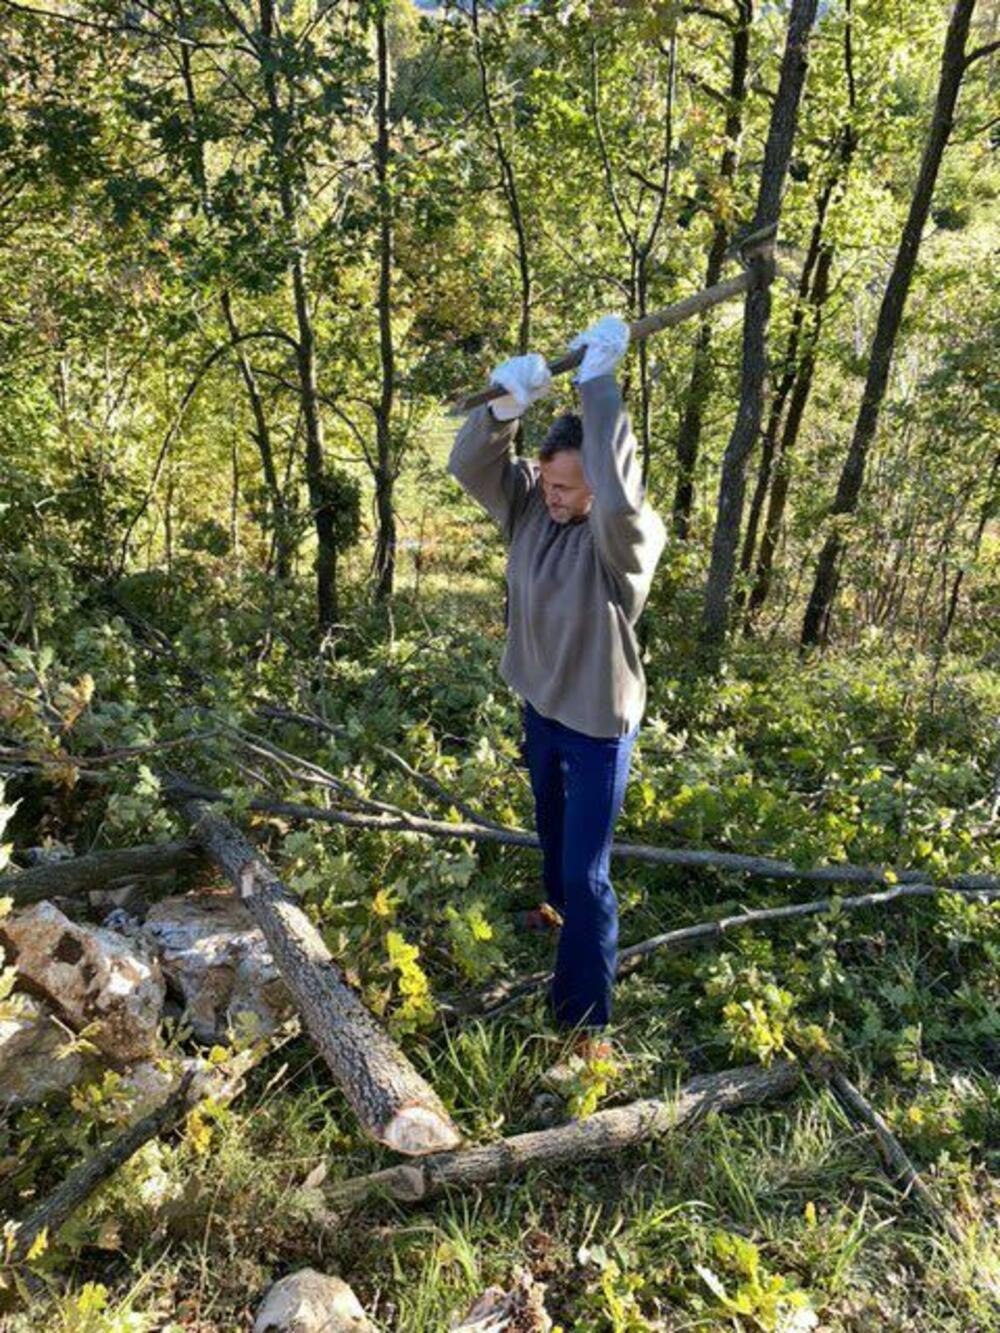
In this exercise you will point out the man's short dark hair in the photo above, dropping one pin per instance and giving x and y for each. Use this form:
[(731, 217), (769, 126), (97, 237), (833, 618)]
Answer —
[(566, 432)]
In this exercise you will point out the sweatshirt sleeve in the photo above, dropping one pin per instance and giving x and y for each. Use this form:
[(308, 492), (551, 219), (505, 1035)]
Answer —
[(482, 462), (628, 534)]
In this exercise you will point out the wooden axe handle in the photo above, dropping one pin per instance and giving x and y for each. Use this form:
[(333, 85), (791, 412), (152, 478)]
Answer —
[(653, 323)]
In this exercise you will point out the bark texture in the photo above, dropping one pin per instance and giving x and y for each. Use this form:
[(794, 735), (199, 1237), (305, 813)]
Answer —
[(777, 155), (815, 625), (580, 1141), (83, 873), (392, 1102)]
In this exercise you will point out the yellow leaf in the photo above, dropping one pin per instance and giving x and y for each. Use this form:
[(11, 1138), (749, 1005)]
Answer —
[(382, 904), (39, 1245), (198, 1132)]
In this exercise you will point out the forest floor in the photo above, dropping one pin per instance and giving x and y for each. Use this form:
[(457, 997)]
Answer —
[(777, 1218)]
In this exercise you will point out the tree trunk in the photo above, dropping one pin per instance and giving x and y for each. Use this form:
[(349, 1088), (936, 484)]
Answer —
[(567, 1145), (262, 432), (55, 1211), (645, 253), (695, 858), (789, 375), (80, 874), (689, 435), (385, 541), (392, 1102), (989, 508), (816, 622), (789, 437), (777, 153), (305, 348), (510, 190), (262, 439)]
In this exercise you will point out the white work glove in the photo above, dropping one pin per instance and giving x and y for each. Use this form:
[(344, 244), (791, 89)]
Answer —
[(604, 346), (525, 378)]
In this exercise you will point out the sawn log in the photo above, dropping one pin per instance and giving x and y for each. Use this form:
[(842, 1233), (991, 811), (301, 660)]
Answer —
[(393, 1103)]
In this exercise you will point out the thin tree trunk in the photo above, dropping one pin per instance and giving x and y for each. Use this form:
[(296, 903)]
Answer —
[(262, 431), (305, 348), (262, 439), (729, 514), (789, 438), (985, 514), (55, 1211), (815, 625), (789, 374), (688, 440), (695, 858), (509, 188), (385, 475), (645, 254)]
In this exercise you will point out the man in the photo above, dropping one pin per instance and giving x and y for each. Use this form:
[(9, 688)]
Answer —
[(583, 547)]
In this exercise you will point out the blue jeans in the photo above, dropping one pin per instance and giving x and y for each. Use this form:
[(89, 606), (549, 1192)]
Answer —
[(578, 783)]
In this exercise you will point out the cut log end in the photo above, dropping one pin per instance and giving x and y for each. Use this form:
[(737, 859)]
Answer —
[(418, 1130)]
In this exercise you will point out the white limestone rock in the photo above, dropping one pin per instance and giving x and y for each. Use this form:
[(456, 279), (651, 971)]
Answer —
[(311, 1302), (92, 977), (213, 952), (147, 1085), (31, 1063)]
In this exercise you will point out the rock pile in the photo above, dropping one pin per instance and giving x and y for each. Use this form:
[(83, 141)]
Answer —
[(198, 956)]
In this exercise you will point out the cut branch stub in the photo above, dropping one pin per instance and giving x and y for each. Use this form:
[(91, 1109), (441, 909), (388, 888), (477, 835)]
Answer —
[(393, 1103)]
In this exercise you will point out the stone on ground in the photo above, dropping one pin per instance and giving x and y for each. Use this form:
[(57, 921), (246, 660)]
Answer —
[(95, 978), (311, 1302), (213, 953)]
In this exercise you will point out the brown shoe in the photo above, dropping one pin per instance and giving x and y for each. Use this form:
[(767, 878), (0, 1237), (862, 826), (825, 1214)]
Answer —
[(585, 1052), (591, 1048), (542, 920)]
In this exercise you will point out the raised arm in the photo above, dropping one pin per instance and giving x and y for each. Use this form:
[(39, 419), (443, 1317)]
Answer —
[(481, 457), (628, 533), (482, 462)]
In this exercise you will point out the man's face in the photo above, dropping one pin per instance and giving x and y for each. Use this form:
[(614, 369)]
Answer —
[(564, 486)]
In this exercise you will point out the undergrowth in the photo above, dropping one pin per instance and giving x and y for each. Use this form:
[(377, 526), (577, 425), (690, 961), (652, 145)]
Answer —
[(778, 1218)]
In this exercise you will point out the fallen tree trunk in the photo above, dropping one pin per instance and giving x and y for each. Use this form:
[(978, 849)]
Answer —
[(53, 1212), (80, 874), (391, 1100), (732, 862), (580, 1141), (496, 999)]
